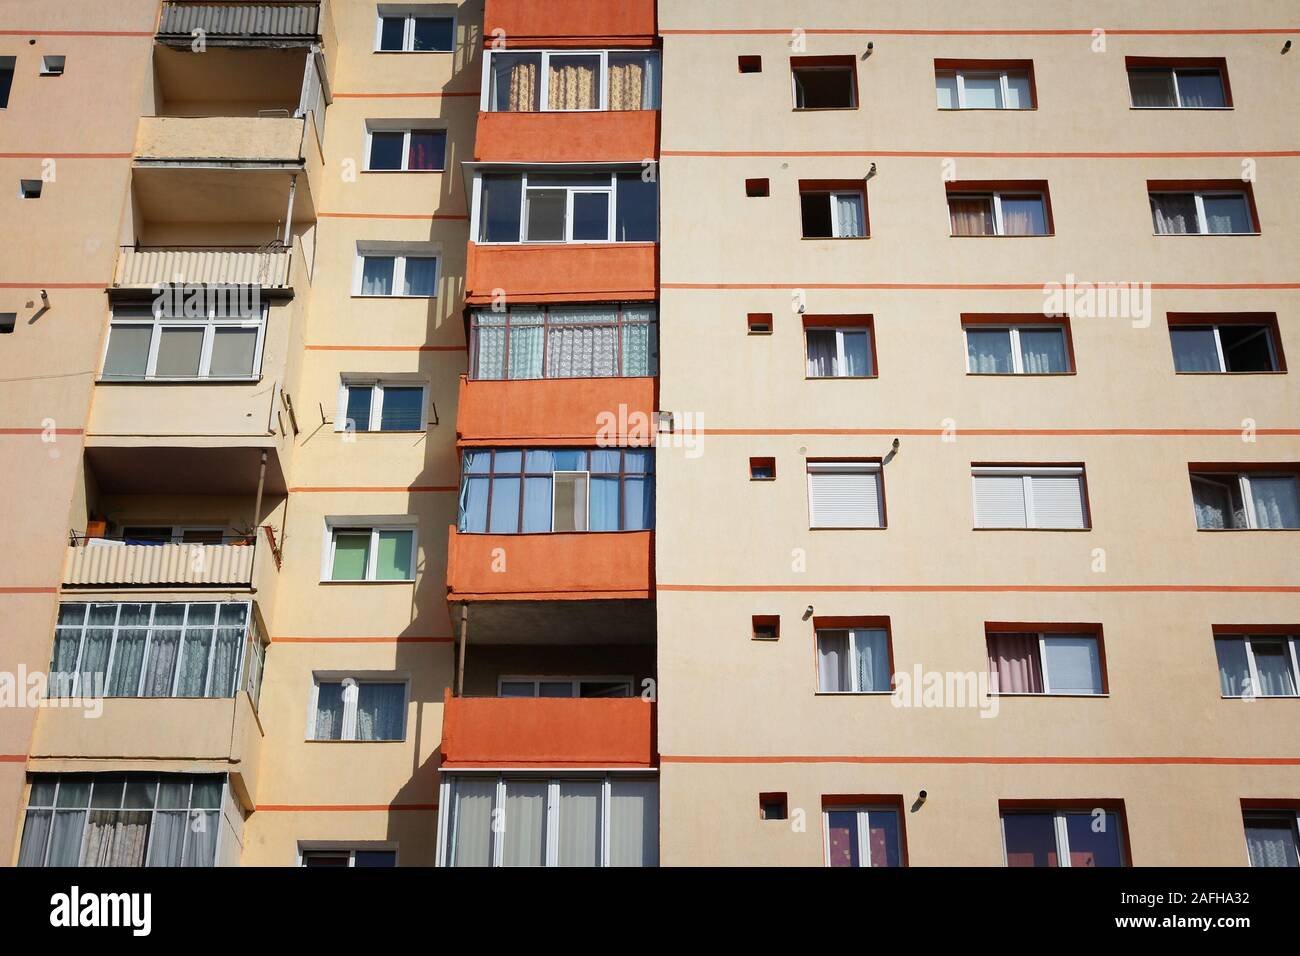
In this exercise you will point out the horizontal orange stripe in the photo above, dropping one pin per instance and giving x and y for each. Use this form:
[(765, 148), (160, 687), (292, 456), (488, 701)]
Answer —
[(458, 217), (362, 640), (1146, 432), (65, 155), (386, 348), (981, 154), (75, 33), (363, 488), (330, 808), (1070, 32), (963, 286), (543, 764), (987, 588), (41, 431), (1064, 761), (28, 590), (98, 286), (393, 96), (13, 758)]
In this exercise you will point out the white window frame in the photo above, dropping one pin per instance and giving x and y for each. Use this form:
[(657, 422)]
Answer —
[(1062, 831), (1004, 87), (351, 691), (544, 93), (447, 817), (1202, 221), (1279, 813), (1028, 475), (1043, 637), (1017, 356), (399, 257), (575, 684), (848, 467), (999, 227), (377, 386), (355, 526), (613, 172), (351, 849), (853, 657), (1265, 327), (1178, 93), (864, 831), (209, 325), (1291, 646), (406, 132), (610, 192), (1247, 499), (841, 357), (411, 12)]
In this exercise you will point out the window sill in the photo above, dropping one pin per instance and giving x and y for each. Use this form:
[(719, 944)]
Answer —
[(763, 479), (1276, 371), (653, 109), (403, 581), (313, 740), (561, 243), (853, 693), (420, 52), (251, 380), (1185, 109), (1244, 530), (381, 171), (1057, 696), (383, 431), (987, 109), (848, 528), (839, 378), (1261, 697), (822, 109), (358, 295), (1031, 235), (1202, 235), (1069, 530), (1021, 374), (833, 238)]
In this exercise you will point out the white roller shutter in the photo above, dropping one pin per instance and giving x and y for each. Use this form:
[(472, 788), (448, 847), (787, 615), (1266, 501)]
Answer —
[(1006, 497), (1000, 501), (1058, 501), (844, 495)]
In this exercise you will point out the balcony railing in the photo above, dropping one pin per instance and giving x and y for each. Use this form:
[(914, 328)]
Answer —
[(240, 21), (99, 562), (147, 267)]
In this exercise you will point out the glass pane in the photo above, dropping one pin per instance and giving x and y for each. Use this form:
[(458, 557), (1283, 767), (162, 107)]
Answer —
[(386, 149), (988, 351), (637, 216), (421, 276), (857, 353), (42, 792), (518, 688), (1217, 502), (168, 839), (351, 555), (633, 81), (206, 793), (403, 408), (73, 792), (65, 840), (390, 33), (106, 793), (882, 838), (358, 410), (525, 823), (871, 649), (1023, 216), (377, 275), (945, 89), (93, 669), (173, 793), (128, 351), (1042, 351), (590, 216), (36, 834), (572, 82), (1152, 88), (140, 793), (842, 838), (514, 81), (161, 665), (394, 558), (1201, 89), (1030, 839), (1073, 665), (971, 215), (329, 712), (569, 512), (1247, 348), (555, 688), (983, 91), (201, 843), (500, 212), (428, 149), (179, 351), (568, 459), (633, 823), (381, 711), (193, 679), (850, 221), (434, 33), (604, 504), (1094, 839), (545, 215), (1019, 96), (1227, 214), (1174, 214), (473, 515), (1234, 667), (638, 504), (505, 506), (537, 505), (1270, 840), (833, 665), (815, 215), (1273, 665), (1276, 502), (1195, 350), (471, 822), (233, 352), (580, 823), (372, 858)]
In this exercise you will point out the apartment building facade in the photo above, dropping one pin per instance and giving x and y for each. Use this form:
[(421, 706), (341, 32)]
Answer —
[(529, 433)]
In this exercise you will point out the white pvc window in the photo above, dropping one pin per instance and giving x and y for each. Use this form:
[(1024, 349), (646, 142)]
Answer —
[(338, 857), (998, 214), (1038, 663), (380, 406), (845, 494), (354, 709), (861, 837), (1016, 350), (1039, 498), (1184, 88), (1231, 347), (406, 150), (853, 661), (1205, 213), (1272, 837), (1246, 501), (1054, 838), (370, 553), (564, 687), (414, 29), (143, 346), (523, 820), (527, 81), (839, 353), (575, 205), (1258, 665), (983, 90), (382, 273)]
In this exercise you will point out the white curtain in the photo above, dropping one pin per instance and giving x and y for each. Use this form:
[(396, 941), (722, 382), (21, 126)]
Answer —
[(116, 838), (633, 823), (822, 353), (525, 823), (582, 343), (849, 215), (1042, 351), (872, 659), (489, 346), (194, 662), (988, 351), (833, 661), (65, 841), (225, 661), (1174, 213), (329, 712), (639, 354), (1273, 665), (471, 822), (380, 711), (526, 343), (1275, 503), (1216, 505), (168, 841), (163, 646), (1272, 843), (201, 846), (579, 823), (1234, 668), (128, 657), (36, 833)]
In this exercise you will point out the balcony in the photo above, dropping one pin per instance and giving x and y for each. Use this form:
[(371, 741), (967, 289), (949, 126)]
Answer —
[(533, 272), (549, 410), (540, 732), (220, 139), (145, 268), (567, 137), (99, 563), (613, 565), (575, 23), (239, 23)]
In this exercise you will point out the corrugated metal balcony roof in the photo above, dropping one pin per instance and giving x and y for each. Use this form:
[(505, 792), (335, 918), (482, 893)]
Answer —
[(241, 21)]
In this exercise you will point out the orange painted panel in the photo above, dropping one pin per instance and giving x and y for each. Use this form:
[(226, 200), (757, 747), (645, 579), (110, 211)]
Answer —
[(609, 136), (540, 567), (558, 410), (531, 732), (527, 22), (558, 273)]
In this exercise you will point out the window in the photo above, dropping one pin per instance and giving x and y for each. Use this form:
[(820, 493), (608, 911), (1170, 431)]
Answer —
[(8, 320), (539, 490), (131, 819), (759, 323), (349, 857), (824, 82), (351, 709), (861, 836), (412, 30), (999, 213), (1049, 837), (1223, 347), (840, 352), (380, 406), (574, 80), (845, 494), (853, 661), (1051, 663), (179, 534), (765, 627), (7, 65), (405, 150), (773, 806), (1015, 497), (156, 650), (1202, 212), (762, 469), (29, 189), (363, 553), (565, 341), (833, 210), (972, 88), (568, 207), (1272, 837), (1258, 665), (1257, 500), (749, 64), (1200, 85), (1039, 349), (225, 343), (391, 273), (53, 65), (566, 687), (600, 820)]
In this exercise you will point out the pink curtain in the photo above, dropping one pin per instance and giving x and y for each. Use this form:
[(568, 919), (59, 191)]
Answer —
[(1014, 666), (971, 215)]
